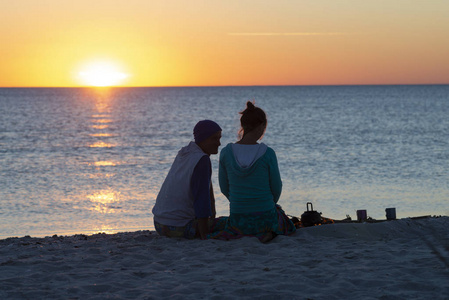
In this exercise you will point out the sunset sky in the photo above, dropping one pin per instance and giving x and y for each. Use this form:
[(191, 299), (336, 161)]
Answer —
[(61, 43)]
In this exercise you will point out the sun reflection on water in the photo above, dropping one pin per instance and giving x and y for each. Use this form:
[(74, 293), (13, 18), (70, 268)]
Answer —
[(101, 145), (105, 229), (100, 116), (104, 163), (100, 126), (101, 134), (101, 175), (102, 201), (102, 121), (102, 104)]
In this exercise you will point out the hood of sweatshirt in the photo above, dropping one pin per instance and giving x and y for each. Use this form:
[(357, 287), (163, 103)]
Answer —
[(233, 163), (192, 147)]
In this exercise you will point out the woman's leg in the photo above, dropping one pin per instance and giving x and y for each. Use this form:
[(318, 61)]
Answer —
[(285, 226)]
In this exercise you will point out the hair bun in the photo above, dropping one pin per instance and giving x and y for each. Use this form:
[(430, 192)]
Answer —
[(250, 105)]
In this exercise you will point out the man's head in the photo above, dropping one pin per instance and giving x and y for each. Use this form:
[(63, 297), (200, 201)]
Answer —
[(207, 136)]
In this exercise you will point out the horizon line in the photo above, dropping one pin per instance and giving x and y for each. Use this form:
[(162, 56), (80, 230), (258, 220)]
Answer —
[(248, 85)]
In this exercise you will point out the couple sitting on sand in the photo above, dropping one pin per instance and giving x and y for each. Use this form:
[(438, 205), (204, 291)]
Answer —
[(248, 176)]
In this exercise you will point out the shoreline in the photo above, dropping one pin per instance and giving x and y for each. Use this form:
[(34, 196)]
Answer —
[(67, 233), (113, 231), (389, 260)]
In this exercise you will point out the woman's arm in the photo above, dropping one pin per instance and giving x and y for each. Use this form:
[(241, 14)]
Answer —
[(275, 177), (223, 176)]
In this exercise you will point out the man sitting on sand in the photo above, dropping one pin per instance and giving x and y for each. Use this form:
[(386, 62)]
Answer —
[(185, 205)]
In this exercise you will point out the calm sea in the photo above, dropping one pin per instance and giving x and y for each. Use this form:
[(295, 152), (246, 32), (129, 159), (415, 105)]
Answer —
[(87, 160)]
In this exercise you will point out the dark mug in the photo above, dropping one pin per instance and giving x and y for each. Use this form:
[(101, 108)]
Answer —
[(390, 213), (361, 215)]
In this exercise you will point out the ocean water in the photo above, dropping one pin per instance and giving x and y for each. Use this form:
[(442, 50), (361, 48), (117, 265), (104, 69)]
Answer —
[(76, 160)]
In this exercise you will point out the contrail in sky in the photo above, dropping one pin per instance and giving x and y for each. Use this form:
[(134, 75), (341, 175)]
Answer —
[(287, 33)]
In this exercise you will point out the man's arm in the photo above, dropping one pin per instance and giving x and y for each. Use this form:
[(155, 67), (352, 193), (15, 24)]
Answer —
[(203, 227), (203, 223), (212, 201), (201, 190)]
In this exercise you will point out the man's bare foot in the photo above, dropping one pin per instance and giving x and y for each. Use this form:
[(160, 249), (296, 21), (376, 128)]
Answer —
[(268, 237)]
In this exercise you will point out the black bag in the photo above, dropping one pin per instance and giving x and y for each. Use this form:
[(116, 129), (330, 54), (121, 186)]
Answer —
[(310, 217)]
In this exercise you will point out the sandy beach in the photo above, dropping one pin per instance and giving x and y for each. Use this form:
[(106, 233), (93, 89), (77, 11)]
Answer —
[(403, 259)]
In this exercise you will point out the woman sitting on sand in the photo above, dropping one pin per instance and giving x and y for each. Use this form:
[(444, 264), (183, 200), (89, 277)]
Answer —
[(249, 177)]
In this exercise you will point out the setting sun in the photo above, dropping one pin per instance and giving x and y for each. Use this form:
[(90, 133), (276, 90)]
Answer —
[(102, 74)]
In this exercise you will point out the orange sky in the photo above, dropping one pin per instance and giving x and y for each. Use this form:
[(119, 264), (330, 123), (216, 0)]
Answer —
[(49, 43)]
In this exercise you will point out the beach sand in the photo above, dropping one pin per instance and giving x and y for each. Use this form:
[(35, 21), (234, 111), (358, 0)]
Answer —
[(403, 259)]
